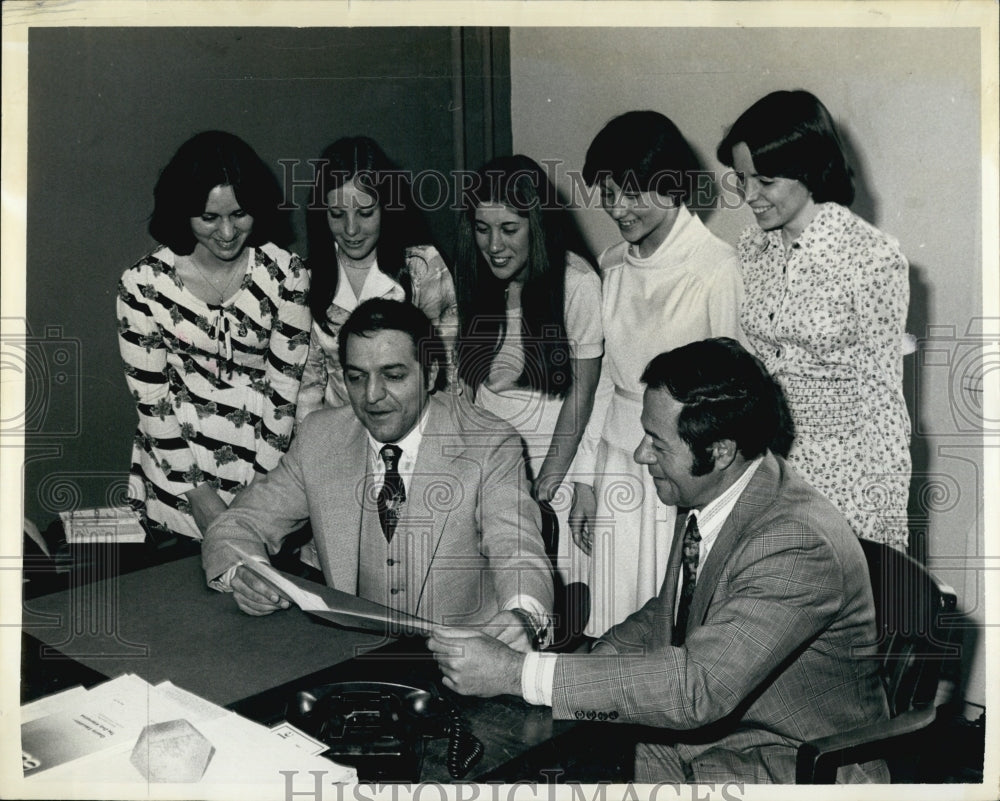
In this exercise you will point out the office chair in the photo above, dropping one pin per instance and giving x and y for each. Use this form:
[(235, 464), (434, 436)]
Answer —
[(913, 613)]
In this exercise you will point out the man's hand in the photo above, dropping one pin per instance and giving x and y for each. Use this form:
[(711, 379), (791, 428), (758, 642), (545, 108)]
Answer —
[(474, 663), (254, 595), (509, 628), (581, 516)]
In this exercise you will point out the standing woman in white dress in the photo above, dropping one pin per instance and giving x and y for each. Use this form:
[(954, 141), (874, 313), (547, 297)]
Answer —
[(667, 283), (531, 336), (213, 328), (367, 239)]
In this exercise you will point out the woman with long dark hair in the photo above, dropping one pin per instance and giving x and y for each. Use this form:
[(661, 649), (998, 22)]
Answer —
[(213, 329), (366, 240), (825, 309), (531, 338)]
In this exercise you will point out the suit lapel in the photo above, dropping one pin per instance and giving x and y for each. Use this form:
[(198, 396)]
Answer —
[(348, 492), (759, 493), (423, 518)]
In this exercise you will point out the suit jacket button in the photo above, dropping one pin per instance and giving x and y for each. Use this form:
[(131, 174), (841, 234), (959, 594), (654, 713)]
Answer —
[(612, 715), (580, 714), (591, 714), (395, 591), (602, 715), (390, 562)]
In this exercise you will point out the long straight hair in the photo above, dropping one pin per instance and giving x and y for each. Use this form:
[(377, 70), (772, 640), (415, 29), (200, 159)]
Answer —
[(518, 183), (360, 159)]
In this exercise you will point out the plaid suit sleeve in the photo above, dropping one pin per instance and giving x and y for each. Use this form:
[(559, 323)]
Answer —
[(779, 592)]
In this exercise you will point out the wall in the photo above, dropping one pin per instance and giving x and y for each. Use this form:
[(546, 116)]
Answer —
[(108, 107), (908, 102)]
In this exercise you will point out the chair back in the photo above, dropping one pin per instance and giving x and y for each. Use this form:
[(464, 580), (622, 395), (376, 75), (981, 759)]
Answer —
[(914, 613)]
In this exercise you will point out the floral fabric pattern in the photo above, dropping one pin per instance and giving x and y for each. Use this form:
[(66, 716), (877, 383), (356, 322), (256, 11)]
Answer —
[(433, 292), (827, 320), (215, 386)]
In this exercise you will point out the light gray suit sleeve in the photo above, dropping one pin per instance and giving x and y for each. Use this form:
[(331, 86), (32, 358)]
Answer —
[(511, 527), (262, 515)]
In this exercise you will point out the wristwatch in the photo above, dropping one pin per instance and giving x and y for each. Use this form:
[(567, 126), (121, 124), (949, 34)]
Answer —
[(539, 631)]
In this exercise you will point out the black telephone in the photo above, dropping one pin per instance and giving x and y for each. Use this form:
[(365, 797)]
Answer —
[(379, 727)]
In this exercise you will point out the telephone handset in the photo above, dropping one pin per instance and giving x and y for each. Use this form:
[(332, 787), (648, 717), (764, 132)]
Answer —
[(379, 727)]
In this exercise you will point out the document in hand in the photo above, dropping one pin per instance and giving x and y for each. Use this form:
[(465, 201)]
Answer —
[(334, 605)]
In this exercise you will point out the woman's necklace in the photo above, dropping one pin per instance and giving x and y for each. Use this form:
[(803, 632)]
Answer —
[(235, 270)]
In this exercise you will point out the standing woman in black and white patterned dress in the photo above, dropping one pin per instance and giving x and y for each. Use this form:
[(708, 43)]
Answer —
[(213, 328)]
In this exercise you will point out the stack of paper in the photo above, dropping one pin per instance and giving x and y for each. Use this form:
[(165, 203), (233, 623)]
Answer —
[(84, 738), (108, 524)]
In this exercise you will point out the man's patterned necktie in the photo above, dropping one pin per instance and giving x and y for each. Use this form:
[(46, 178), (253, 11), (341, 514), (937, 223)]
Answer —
[(689, 564), (393, 493)]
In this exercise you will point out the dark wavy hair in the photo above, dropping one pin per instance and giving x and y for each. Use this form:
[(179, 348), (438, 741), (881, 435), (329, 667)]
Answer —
[(381, 314), (727, 394), (790, 134), (360, 159), (521, 185), (643, 151), (205, 161)]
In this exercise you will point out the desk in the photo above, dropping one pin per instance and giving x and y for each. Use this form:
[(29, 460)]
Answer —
[(164, 623)]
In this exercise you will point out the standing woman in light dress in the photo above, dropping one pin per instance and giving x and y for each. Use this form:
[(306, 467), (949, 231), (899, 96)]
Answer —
[(531, 336), (667, 283), (825, 309), (366, 240), (213, 328)]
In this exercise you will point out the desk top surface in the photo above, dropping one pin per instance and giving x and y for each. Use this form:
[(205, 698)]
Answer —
[(165, 623)]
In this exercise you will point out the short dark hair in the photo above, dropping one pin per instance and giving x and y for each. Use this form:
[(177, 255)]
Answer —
[(380, 314), (727, 393), (205, 161), (645, 152), (790, 134)]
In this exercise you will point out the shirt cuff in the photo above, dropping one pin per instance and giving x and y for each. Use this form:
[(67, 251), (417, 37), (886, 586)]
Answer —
[(529, 605), (537, 676), (223, 582), (539, 617)]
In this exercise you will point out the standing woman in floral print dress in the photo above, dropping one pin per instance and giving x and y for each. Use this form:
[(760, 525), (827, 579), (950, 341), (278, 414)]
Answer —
[(825, 305), (213, 328)]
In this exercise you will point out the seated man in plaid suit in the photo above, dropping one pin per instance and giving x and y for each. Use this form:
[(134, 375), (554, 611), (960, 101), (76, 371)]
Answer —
[(758, 638)]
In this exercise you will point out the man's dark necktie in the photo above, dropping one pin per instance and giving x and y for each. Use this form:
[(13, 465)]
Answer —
[(393, 493), (689, 564)]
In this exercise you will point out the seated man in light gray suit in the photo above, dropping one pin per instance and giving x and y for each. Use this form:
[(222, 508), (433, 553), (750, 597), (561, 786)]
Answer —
[(413, 503), (760, 636)]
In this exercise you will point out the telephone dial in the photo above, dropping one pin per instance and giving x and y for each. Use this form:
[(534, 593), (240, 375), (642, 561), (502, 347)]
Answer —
[(380, 727)]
